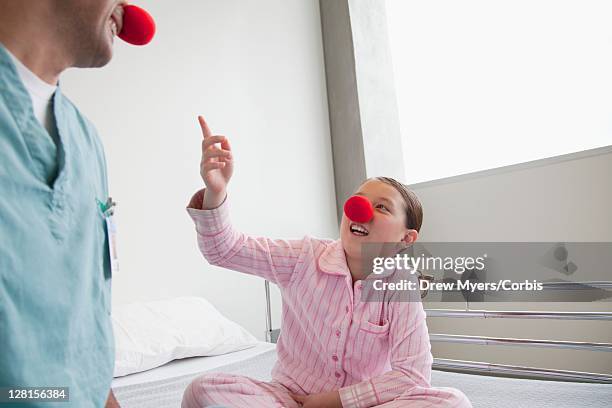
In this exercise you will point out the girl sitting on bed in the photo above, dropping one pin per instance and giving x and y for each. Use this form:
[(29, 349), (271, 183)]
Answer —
[(334, 350)]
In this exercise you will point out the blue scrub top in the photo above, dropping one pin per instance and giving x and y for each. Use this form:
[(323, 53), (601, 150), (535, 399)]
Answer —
[(55, 328)]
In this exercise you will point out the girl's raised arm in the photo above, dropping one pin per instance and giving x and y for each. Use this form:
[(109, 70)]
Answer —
[(219, 242)]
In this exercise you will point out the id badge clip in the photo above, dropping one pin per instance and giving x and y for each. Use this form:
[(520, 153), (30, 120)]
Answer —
[(108, 211)]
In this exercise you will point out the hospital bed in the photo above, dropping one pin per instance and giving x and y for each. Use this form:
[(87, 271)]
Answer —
[(163, 387), (486, 385)]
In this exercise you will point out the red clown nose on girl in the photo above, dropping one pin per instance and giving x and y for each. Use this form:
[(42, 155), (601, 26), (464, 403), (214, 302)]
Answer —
[(358, 209)]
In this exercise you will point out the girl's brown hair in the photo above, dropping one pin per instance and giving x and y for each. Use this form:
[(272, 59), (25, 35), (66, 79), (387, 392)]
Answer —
[(414, 210)]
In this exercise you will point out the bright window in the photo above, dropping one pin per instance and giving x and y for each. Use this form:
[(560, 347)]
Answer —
[(483, 84)]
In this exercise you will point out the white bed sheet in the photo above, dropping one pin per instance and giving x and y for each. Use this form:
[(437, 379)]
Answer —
[(163, 387), (191, 365)]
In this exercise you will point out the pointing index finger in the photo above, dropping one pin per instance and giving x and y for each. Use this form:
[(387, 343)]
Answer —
[(205, 129)]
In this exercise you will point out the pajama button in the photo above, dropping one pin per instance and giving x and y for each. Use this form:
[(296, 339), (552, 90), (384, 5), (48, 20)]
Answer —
[(338, 375), (335, 357), (337, 333)]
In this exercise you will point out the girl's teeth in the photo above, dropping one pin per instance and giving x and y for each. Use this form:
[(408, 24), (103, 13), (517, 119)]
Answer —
[(358, 230)]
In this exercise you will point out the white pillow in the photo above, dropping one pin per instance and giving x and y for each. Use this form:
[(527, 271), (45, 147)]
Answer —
[(151, 334)]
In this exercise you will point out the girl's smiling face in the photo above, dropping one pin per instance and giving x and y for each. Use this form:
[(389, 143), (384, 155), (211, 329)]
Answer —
[(387, 225)]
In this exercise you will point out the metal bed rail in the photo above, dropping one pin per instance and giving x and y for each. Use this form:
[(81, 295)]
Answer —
[(578, 285), (605, 286), (519, 314), (504, 341), (505, 370), (556, 286)]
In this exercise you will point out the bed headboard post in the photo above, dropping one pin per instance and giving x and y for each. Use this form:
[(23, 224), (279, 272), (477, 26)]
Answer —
[(271, 335)]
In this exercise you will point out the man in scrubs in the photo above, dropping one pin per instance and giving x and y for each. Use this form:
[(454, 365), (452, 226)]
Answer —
[(55, 274)]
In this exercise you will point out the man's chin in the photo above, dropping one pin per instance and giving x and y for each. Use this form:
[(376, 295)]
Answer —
[(100, 58), (104, 56), (103, 61)]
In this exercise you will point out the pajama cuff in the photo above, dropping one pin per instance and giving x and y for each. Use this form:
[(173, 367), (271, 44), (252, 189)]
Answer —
[(360, 395), (208, 222)]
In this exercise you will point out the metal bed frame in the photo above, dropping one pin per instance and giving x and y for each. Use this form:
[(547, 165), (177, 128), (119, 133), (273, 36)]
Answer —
[(477, 367)]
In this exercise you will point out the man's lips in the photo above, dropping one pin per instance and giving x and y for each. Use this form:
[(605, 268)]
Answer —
[(117, 20)]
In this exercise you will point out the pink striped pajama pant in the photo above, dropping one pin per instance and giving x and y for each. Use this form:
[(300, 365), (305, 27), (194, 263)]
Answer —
[(234, 391)]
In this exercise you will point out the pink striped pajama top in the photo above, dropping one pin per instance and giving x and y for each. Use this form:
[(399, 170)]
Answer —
[(329, 339)]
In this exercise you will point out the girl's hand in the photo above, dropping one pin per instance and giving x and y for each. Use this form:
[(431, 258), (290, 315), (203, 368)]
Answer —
[(216, 166), (329, 399)]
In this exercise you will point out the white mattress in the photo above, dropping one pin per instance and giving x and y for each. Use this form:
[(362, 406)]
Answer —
[(498, 392), (163, 387)]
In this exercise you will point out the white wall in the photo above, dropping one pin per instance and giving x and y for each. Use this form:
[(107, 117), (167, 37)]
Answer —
[(567, 198), (255, 70)]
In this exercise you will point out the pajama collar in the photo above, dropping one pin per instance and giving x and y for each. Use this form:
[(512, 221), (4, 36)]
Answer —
[(333, 260)]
